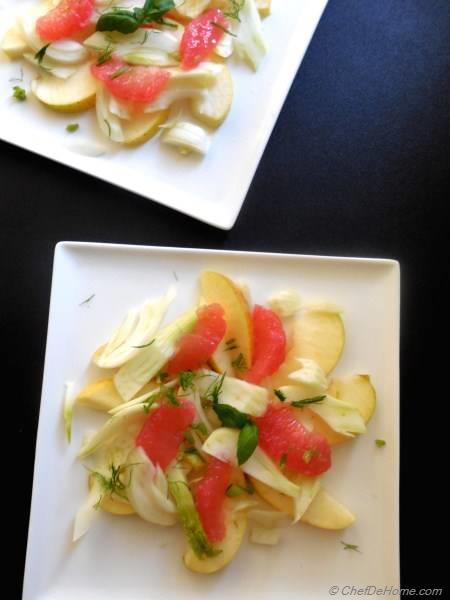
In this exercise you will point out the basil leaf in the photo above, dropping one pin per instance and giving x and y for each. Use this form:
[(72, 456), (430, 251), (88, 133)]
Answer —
[(247, 442), (122, 21), (230, 416)]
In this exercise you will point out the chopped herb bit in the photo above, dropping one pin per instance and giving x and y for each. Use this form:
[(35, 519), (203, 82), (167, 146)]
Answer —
[(120, 72), (380, 443), (240, 363), (279, 394), (170, 395), (214, 390), (350, 547), (113, 484), (306, 401), (105, 55), (200, 429), (247, 442), (87, 301), (39, 56), (148, 402), (19, 93), (191, 450), (162, 377), (283, 461), (187, 379), (108, 125), (72, 127), (189, 438), (235, 9), (144, 38), (222, 28), (145, 345), (235, 490)]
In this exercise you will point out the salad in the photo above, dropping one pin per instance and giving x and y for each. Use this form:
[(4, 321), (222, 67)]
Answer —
[(147, 66), (222, 420)]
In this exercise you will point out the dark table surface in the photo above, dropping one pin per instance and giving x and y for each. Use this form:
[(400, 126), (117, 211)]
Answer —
[(356, 166)]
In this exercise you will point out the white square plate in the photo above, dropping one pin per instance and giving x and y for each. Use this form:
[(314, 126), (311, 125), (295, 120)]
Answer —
[(125, 559), (212, 189)]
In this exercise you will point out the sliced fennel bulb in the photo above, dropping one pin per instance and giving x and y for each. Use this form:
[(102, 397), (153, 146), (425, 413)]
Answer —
[(309, 488), (50, 67), (135, 373), (285, 303), (69, 403), (187, 137), (310, 376), (109, 124), (246, 397), (222, 444), (126, 424), (137, 330), (88, 511), (249, 43), (165, 40), (148, 490)]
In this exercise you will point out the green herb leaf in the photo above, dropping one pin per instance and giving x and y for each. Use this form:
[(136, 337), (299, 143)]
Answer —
[(186, 379), (120, 72), (145, 345), (235, 9), (350, 547), (88, 300), (380, 443), (162, 377), (247, 442), (72, 127), (19, 93), (39, 56), (169, 393), (306, 401), (148, 402), (240, 363), (189, 438), (230, 416), (129, 21), (222, 28), (279, 394), (233, 491), (105, 55)]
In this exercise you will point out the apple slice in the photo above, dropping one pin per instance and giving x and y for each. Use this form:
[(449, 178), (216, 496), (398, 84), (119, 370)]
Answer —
[(320, 336), (213, 107), (264, 7), (13, 43), (191, 9), (75, 94), (237, 525), (101, 395), (141, 128), (358, 391), (237, 340), (324, 511)]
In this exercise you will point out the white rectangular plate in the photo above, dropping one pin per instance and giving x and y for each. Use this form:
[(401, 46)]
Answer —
[(127, 559), (212, 189)]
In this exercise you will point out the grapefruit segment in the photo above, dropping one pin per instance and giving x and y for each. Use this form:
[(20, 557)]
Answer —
[(269, 344), (163, 432), (201, 36), (66, 19), (197, 347), (210, 498), (133, 84), (286, 440)]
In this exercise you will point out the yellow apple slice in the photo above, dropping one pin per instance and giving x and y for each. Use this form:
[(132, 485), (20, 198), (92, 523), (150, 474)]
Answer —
[(13, 43), (101, 395), (213, 107), (237, 340), (324, 511), (74, 94), (264, 7), (236, 527), (358, 391), (141, 128), (320, 336)]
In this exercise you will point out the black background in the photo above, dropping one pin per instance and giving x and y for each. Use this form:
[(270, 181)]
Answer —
[(357, 165)]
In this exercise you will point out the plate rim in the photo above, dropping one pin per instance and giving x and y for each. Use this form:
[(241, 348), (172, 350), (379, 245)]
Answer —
[(393, 264)]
